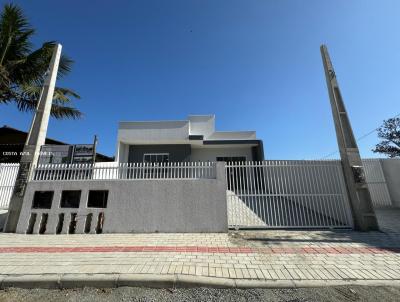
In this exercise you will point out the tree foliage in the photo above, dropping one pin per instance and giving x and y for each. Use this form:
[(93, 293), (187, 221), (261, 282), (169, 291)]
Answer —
[(389, 133), (23, 69)]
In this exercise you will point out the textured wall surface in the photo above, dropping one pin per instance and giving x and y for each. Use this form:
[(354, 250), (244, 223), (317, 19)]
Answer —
[(162, 205), (391, 170)]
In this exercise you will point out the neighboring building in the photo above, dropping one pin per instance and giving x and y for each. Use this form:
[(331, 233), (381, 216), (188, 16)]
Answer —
[(12, 143), (194, 139)]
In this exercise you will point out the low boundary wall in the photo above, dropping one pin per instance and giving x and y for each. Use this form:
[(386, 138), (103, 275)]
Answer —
[(143, 205)]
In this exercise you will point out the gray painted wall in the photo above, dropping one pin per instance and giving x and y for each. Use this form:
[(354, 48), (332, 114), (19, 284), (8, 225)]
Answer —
[(177, 153), (163, 205), (211, 154), (391, 170)]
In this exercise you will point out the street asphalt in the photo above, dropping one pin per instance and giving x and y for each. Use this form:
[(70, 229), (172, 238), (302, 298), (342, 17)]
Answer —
[(133, 294)]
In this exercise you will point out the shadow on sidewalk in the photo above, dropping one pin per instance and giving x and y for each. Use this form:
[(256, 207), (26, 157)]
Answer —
[(388, 237)]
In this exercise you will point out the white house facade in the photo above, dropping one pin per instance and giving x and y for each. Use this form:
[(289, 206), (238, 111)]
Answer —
[(183, 176), (191, 140)]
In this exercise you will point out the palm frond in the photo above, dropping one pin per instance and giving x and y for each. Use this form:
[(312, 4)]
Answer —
[(63, 95), (23, 71), (59, 112), (65, 65), (33, 68), (15, 32)]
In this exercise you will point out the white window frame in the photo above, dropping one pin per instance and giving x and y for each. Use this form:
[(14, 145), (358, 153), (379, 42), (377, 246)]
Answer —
[(155, 154)]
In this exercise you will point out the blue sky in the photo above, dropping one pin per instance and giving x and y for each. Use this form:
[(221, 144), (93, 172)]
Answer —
[(255, 64)]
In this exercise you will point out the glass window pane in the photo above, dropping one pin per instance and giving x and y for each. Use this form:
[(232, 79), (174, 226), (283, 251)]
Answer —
[(156, 158), (70, 199), (42, 199)]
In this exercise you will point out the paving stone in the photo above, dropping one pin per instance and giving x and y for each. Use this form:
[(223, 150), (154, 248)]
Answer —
[(274, 255)]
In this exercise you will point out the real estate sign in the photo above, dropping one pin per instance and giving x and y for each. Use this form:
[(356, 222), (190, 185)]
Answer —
[(83, 153), (67, 154)]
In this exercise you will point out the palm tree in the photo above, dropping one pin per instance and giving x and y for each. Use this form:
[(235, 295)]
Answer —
[(22, 69)]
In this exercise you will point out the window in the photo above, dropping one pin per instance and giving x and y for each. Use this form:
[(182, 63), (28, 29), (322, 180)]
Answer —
[(232, 159), (42, 199), (156, 157), (70, 199), (97, 199)]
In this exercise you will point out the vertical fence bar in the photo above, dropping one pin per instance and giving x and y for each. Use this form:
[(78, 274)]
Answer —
[(284, 194)]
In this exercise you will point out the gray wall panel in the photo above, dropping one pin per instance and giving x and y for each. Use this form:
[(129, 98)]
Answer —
[(177, 153)]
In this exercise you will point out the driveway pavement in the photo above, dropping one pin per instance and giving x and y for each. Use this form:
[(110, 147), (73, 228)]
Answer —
[(244, 258)]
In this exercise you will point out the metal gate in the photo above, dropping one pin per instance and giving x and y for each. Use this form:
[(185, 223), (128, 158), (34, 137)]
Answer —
[(287, 194), (376, 183), (8, 175)]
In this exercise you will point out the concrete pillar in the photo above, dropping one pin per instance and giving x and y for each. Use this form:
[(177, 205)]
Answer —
[(359, 195), (81, 221), (36, 138), (37, 223), (220, 171), (95, 219), (67, 221), (51, 223)]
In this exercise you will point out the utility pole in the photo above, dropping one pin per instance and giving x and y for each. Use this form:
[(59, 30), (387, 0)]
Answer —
[(357, 188), (95, 141), (36, 138)]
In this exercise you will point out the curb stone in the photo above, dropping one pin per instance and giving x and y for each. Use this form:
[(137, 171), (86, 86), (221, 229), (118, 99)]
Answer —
[(187, 281), (89, 280), (248, 283), (55, 281), (155, 281), (324, 283), (31, 281)]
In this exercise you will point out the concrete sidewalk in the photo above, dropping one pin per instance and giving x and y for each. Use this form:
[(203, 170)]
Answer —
[(272, 258)]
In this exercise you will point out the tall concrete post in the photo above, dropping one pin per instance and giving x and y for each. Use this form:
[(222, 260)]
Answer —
[(36, 138), (359, 195)]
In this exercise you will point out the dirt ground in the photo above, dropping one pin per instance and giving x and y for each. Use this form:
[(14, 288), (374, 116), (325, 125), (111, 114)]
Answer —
[(342, 293)]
